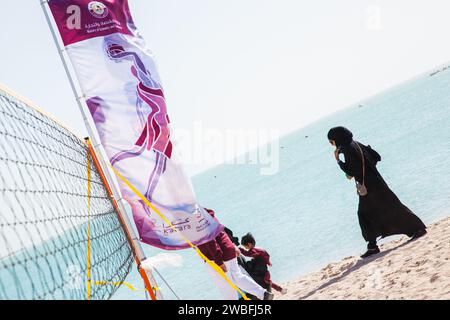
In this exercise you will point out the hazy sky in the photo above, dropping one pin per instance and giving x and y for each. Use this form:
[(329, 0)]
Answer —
[(246, 63)]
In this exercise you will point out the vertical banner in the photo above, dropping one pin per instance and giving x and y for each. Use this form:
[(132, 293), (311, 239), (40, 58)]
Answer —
[(121, 85)]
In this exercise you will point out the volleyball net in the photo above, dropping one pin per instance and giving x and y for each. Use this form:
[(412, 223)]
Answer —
[(60, 235)]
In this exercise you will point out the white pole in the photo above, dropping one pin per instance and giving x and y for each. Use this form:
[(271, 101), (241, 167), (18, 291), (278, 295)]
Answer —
[(81, 101)]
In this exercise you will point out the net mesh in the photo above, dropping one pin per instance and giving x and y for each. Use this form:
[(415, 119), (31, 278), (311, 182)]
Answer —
[(44, 215)]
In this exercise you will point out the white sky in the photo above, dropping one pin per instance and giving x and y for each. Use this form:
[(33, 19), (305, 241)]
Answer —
[(246, 63)]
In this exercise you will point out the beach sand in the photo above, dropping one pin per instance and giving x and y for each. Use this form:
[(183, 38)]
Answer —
[(418, 269)]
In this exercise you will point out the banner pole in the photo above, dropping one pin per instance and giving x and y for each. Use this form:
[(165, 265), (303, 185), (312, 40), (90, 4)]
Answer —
[(89, 245), (102, 162), (148, 279)]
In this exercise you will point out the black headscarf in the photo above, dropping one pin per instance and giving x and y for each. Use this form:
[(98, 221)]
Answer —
[(341, 135)]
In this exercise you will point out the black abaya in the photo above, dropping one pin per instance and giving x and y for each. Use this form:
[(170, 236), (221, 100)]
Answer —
[(380, 212)]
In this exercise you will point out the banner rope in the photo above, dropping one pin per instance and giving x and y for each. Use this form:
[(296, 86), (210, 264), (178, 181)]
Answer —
[(151, 206), (126, 284)]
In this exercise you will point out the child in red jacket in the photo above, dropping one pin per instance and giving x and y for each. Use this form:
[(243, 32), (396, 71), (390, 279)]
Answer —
[(224, 253), (261, 256)]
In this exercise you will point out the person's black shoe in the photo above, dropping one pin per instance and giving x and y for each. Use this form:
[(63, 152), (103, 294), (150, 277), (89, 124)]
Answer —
[(268, 295), (419, 234), (370, 252)]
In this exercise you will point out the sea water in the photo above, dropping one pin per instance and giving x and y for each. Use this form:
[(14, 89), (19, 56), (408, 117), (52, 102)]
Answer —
[(305, 215)]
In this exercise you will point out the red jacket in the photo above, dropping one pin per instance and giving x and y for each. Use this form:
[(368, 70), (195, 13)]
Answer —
[(257, 252), (220, 249)]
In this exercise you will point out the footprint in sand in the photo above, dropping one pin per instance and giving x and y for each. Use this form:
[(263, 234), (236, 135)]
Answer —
[(434, 278), (421, 262)]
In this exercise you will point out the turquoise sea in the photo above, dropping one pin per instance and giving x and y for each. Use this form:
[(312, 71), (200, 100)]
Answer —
[(305, 215)]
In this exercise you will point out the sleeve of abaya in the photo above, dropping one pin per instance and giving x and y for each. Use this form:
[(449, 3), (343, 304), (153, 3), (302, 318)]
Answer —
[(352, 165)]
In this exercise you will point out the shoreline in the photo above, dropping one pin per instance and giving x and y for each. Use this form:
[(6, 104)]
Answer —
[(418, 269)]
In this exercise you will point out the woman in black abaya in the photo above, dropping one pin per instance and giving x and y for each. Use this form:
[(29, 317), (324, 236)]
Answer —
[(380, 212)]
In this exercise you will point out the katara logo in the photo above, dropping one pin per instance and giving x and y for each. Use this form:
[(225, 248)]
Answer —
[(98, 9)]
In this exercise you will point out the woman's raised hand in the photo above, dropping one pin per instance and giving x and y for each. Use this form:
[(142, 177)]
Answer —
[(336, 154)]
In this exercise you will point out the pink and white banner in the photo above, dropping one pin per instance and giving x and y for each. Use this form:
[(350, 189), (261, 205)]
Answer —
[(119, 78)]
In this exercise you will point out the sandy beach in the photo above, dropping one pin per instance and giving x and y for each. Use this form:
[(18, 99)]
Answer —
[(418, 269)]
